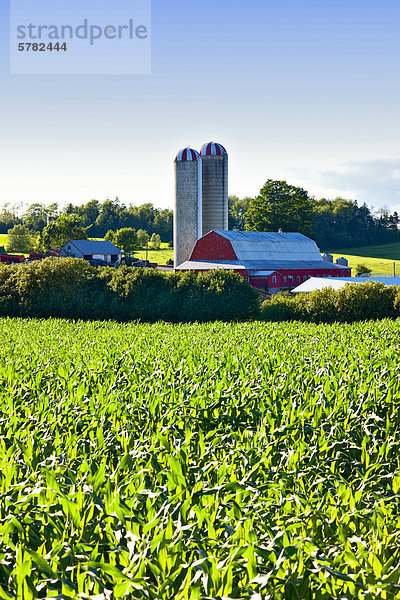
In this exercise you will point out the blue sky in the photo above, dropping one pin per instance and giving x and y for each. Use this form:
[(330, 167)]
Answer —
[(299, 90)]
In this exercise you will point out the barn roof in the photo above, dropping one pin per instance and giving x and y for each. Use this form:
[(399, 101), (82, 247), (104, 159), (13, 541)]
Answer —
[(270, 246), (205, 265), (257, 265), (94, 246)]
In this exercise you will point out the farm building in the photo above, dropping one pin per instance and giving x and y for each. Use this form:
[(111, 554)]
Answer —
[(92, 249), (317, 283), (269, 261)]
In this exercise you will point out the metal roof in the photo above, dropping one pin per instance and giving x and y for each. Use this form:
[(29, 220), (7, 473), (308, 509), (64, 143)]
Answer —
[(319, 283), (93, 246), (205, 265), (187, 154), (212, 149), (261, 273), (269, 266), (235, 235), (277, 265), (263, 245)]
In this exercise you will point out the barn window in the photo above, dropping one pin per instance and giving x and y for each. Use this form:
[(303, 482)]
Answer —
[(284, 279), (274, 279), (290, 278), (298, 278), (304, 277)]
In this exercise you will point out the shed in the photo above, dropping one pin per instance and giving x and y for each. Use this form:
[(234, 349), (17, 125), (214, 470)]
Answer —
[(92, 249)]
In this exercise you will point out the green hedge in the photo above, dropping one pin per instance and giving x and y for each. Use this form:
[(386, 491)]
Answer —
[(71, 288), (370, 300)]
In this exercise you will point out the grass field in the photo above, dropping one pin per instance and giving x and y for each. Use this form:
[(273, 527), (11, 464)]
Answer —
[(3, 239), (199, 461), (387, 251), (377, 265), (158, 256), (380, 259)]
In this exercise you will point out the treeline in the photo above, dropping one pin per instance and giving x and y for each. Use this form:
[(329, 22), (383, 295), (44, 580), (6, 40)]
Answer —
[(333, 224), (337, 223), (98, 217), (342, 223), (71, 288)]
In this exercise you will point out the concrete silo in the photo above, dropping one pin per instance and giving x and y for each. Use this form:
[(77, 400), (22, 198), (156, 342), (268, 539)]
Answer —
[(214, 158), (188, 204)]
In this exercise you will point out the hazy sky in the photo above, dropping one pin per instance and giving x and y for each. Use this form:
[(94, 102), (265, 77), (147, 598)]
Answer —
[(302, 90)]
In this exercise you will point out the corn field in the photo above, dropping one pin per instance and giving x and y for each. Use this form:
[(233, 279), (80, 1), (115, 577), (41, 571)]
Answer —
[(161, 461)]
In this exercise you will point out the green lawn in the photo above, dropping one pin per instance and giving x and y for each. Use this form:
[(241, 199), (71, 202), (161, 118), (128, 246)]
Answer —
[(158, 256), (377, 265), (3, 239), (387, 251)]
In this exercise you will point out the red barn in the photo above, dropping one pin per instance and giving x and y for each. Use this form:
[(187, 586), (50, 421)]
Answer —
[(270, 261)]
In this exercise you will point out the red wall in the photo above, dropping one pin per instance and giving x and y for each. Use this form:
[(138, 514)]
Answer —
[(213, 247), (266, 282)]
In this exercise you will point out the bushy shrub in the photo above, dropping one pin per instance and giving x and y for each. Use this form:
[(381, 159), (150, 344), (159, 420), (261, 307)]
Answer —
[(216, 295), (353, 302), (57, 287), (9, 297), (71, 288), (370, 300), (361, 270), (281, 307), (318, 307), (143, 294)]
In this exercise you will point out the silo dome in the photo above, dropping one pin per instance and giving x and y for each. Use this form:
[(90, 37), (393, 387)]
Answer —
[(212, 149), (187, 154)]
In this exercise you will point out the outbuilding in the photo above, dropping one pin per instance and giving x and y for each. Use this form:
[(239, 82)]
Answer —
[(269, 261), (92, 249), (318, 283)]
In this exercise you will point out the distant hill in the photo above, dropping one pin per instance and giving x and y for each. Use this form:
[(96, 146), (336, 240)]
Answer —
[(380, 259), (389, 251)]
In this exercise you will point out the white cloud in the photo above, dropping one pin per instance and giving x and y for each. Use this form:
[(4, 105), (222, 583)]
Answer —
[(375, 182)]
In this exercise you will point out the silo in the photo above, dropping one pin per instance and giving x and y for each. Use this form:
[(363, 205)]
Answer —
[(188, 204), (215, 187)]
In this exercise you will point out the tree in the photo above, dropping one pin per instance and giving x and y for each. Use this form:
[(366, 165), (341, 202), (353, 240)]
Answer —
[(362, 270), (8, 218), (110, 236), (36, 217), (126, 239), (58, 233), (163, 224), (237, 212), (109, 217), (19, 239), (143, 238), (155, 241), (89, 212), (280, 205)]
